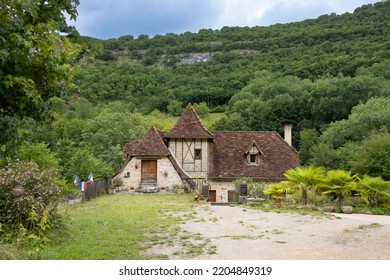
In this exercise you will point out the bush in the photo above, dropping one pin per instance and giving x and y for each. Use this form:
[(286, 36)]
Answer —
[(254, 189), (29, 214)]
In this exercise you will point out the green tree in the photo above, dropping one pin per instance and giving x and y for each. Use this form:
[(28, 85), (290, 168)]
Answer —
[(378, 190), (175, 108), (83, 162), (37, 47), (308, 137), (341, 184), (373, 156), (305, 179), (38, 153)]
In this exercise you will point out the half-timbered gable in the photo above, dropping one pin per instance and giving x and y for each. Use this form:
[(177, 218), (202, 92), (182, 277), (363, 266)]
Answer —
[(188, 142)]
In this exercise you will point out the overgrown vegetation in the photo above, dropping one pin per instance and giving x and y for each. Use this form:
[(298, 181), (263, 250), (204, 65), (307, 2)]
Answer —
[(28, 203)]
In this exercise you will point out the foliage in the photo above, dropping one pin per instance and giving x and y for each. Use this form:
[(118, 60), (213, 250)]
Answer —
[(378, 190), (38, 153), (373, 156), (83, 162), (278, 192), (254, 189), (37, 48), (305, 179), (308, 138), (175, 108), (341, 184), (31, 214), (360, 143)]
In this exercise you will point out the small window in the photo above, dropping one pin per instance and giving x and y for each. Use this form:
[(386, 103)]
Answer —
[(198, 153), (253, 158)]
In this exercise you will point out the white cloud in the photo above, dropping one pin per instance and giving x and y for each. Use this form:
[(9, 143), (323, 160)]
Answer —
[(114, 18)]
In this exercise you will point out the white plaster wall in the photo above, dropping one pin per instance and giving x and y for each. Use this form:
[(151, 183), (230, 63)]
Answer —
[(195, 168)]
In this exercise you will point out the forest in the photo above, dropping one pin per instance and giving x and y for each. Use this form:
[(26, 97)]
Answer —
[(318, 75), (69, 103)]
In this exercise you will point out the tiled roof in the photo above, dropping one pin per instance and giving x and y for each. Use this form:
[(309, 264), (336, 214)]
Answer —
[(151, 145), (129, 147), (189, 126), (228, 155)]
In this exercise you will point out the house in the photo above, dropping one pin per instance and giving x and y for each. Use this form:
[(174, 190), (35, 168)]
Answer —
[(191, 155)]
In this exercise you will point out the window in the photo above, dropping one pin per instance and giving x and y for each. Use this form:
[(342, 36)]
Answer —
[(252, 158), (198, 153)]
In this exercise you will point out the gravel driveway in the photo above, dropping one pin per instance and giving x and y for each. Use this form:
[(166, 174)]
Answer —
[(240, 233)]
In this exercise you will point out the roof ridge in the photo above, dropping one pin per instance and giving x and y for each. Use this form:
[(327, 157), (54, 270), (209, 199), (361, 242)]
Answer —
[(196, 115), (189, 125)]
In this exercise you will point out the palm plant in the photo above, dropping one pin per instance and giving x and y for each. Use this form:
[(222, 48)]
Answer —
[(378, 190), (305, 179), (342, 184), (278, 192)]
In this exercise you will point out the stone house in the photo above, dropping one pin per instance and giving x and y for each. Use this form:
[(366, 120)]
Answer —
[(192, 156)]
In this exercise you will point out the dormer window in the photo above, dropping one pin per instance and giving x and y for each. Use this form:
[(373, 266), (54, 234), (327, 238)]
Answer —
[(253, 154), (252, 158)]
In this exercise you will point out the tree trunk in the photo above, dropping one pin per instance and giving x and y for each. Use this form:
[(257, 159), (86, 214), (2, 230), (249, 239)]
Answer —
[(304, 196)]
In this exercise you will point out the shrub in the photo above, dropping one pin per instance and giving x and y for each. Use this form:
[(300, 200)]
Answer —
[(254, 189), (31, 214)]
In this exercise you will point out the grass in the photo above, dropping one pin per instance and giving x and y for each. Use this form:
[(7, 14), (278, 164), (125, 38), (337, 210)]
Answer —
[(116, 227), (166, 122)]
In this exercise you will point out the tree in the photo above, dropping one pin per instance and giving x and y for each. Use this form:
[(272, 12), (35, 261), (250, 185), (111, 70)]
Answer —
[(308, 138), (341, 184), (305, 179), (378, 190), (175, 108), (373, 156), (37, 48)]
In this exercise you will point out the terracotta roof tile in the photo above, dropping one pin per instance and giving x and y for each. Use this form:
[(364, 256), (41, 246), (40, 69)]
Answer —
[(129, 147), (189, 126), (228, 155), (151, 145)]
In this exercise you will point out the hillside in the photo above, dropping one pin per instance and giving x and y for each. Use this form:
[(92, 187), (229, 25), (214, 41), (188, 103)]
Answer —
[(312, 74), (213, 65)]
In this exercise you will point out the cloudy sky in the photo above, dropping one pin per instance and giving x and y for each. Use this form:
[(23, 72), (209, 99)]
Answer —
[(114, 18)]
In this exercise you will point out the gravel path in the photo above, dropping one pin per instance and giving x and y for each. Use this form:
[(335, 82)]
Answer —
[(247, 234)]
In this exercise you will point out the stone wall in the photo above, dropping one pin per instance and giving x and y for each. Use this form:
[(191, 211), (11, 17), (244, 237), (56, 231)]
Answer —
[(166, 174), (131, 175)]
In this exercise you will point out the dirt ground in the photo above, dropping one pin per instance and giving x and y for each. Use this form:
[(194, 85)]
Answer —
[(237, 233)]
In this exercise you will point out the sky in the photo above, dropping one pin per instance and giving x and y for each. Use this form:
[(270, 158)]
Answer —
[(106, 19)]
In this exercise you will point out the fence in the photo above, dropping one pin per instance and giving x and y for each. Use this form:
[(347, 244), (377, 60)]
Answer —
[(96, 188), (193, 183)]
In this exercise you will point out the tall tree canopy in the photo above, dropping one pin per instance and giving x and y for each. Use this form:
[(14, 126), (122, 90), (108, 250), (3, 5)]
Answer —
[(36, 50)]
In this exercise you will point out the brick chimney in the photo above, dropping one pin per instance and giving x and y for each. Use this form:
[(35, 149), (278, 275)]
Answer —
[(288, 133)]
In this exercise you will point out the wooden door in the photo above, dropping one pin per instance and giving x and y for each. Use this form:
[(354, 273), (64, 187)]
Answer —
[(230, 196), (149, 171), (213, 196)]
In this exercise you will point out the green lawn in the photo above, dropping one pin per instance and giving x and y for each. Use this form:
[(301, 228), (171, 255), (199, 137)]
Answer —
[(116, 226)]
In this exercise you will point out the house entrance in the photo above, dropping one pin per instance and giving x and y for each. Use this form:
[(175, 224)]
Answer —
[(213, 195), (149, 171)]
